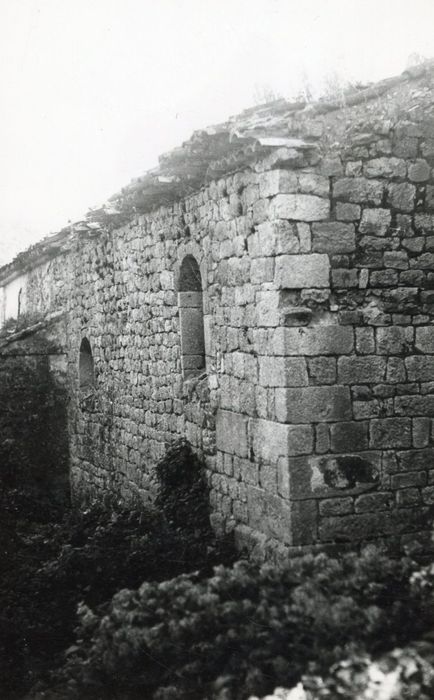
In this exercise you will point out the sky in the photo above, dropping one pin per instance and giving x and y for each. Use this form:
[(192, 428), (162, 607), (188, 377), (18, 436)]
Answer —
[(92, 91)]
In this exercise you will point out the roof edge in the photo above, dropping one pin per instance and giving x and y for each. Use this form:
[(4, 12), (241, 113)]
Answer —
[(207, 155)]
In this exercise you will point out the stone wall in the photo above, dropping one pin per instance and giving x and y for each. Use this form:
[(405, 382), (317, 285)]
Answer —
[(314, 411)]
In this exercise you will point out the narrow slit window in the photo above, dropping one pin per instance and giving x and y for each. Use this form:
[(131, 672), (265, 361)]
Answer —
[(20, 302), (85, 366), (190, 303)]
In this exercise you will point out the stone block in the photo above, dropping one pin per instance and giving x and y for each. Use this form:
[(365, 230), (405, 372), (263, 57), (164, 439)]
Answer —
[(429, 197), (273, 441), (305, 237), (372, 502), (363, 526), (414, 245), (322, 438), (313, 404), (395, 370), (385, 167), (347, 212), (231, 433), (333, 237), (400, 481), (421, 432), (365, 341), (389, 433), (358, 190), (424, 222), (408, 497), (269, 514), (262, 270), (414, 405), (322, 370), (415, 460), (424, 261), (299, 207), (304, 522), (427, 147), (301, 271), (336, 506), (267, 312), (311, 183), (268, 477), (419, 171), (420, 368), (394, 340), (349, 436), (401, 196), (425, 339), (405, 146), (316, 340), (361, 370), (282, 371), (383, 278), (397, 259), (428, 495), (274, 238), (331, 166), (375, 222), (277, 181), (344, 278)]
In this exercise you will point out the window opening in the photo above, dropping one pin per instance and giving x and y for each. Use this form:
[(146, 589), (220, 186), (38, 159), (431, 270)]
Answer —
[(190, 303), (85, 366)]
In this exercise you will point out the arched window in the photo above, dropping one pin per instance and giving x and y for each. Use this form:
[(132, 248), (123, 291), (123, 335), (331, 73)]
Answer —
[(85, 365), (191, 317)]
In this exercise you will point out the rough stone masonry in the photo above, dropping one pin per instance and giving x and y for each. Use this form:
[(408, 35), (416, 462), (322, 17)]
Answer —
[(266, 293)]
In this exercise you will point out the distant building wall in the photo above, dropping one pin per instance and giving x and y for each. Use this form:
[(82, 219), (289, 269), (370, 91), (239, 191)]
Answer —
[(13, 298), (310, 391)]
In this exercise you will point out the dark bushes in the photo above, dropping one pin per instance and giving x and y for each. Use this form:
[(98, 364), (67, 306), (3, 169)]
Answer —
[(244, 630), (53, 561)]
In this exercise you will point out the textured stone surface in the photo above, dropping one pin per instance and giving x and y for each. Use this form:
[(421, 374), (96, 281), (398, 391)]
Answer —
[(313, 404), (300, 207), (231, 433), (321, 340), (358, 190), (272, 441), (282, 371), (300, 271), (313, 288), (333, 238)]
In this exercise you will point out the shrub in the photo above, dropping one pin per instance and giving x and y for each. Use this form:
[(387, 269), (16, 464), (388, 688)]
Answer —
[(399, 674), (244, 629), (182, 490), (53, 562)]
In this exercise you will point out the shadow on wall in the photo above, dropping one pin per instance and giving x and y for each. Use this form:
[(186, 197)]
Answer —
[(33, 425)]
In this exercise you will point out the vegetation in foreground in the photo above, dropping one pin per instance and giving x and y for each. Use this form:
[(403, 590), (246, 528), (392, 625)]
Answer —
[(165, 612), (52, 560), (244, 630)]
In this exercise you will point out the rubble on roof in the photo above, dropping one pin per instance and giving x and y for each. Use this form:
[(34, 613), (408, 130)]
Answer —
[(280, 132)]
